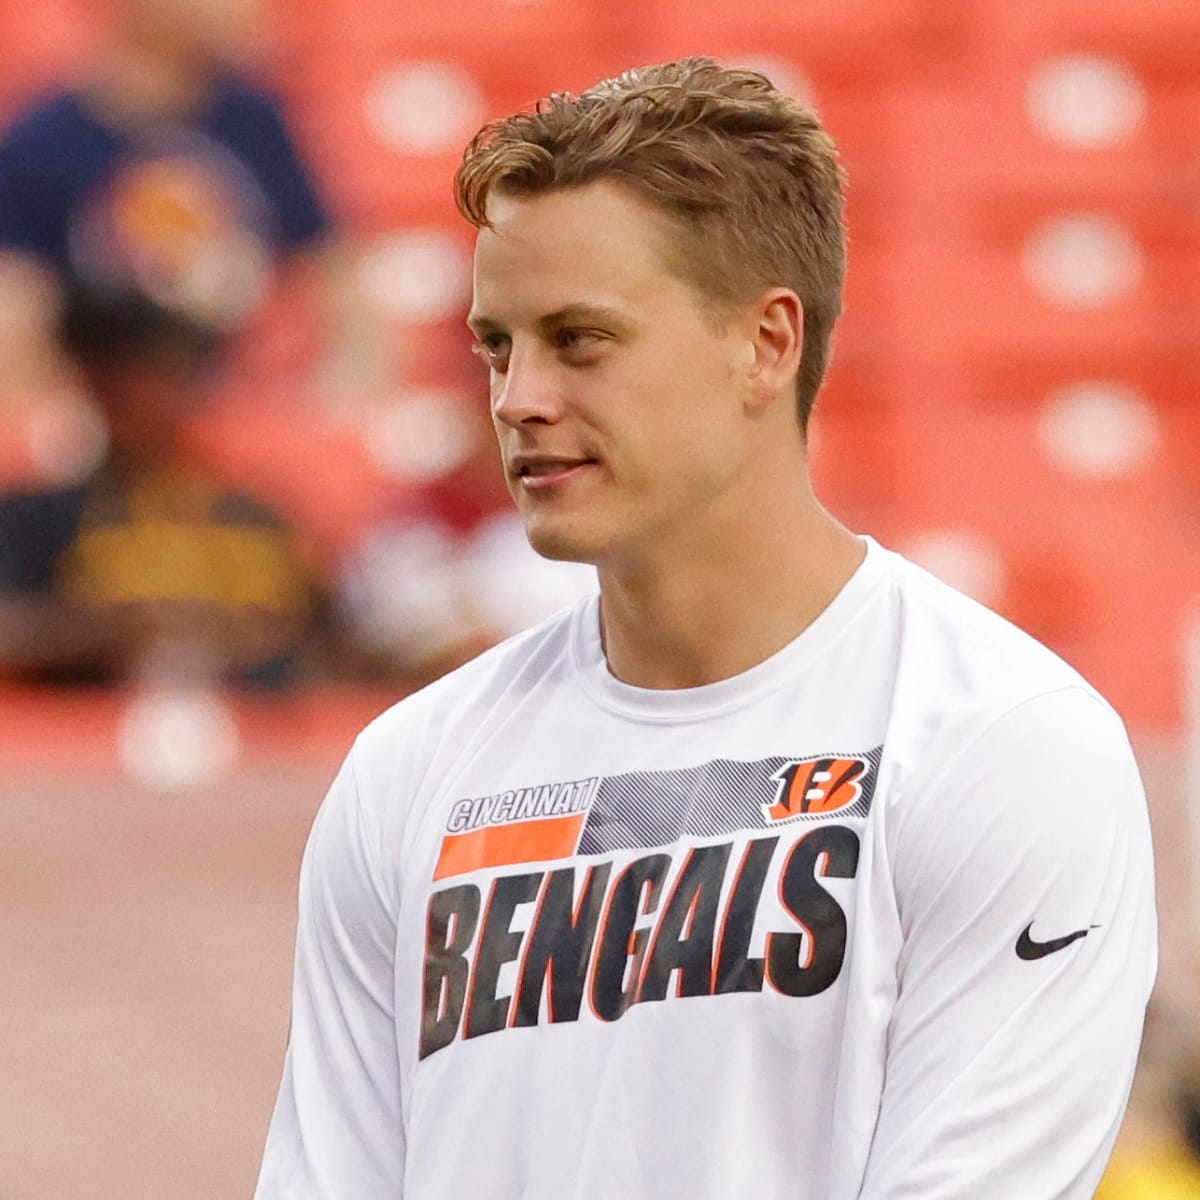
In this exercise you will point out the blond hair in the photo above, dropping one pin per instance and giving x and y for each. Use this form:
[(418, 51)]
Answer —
[(747, 177)]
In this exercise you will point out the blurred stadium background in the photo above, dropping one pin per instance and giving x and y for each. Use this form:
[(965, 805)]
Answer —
[(1013, 403)]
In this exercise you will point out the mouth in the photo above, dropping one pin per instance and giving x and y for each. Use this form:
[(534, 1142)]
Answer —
[(539, 474)]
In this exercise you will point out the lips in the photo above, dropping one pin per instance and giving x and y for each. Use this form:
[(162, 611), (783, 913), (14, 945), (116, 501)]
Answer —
[(538, 472), (550, 466)]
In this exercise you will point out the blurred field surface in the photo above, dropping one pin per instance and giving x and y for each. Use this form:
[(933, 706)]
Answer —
[(146, 939)]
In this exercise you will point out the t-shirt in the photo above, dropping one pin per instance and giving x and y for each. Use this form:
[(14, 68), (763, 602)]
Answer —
[(174, 220), (873, 919)]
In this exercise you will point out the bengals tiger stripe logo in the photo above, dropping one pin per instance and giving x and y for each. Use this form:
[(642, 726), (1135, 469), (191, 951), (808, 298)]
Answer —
[(815, 786)]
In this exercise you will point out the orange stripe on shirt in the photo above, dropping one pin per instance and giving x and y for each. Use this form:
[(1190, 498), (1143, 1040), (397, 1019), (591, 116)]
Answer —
[(501, 845)]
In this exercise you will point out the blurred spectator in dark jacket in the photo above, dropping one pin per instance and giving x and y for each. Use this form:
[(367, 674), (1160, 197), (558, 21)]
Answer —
[(144, 213)]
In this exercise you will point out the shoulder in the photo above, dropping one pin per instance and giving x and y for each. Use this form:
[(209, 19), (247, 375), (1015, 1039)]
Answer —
[(992, 738), (45, 118), (972, 657), (973, 693)]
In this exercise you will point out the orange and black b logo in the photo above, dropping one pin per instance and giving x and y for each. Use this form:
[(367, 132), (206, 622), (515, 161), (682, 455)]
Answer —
[(815, 786)]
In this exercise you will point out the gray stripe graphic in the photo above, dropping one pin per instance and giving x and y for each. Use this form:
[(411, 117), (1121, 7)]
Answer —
[(642, 809)]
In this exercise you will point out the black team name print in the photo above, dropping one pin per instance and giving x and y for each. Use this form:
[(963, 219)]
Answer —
[(612, 938)]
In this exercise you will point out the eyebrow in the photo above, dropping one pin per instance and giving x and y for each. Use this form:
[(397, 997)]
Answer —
[(561, 316)]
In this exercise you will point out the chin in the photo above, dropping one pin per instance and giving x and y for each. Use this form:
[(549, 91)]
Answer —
[(563, 545)]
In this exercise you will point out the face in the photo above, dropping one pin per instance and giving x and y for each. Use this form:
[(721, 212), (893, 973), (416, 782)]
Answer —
[(617, 399)]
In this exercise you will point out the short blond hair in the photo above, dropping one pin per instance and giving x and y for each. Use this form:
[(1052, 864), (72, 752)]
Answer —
[(747, 177)]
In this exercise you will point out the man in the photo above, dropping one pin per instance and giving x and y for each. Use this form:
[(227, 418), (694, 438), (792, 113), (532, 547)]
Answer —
[(144, 211), (778, 870)]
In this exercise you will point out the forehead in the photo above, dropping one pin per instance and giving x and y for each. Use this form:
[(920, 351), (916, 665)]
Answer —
[(597, 244)]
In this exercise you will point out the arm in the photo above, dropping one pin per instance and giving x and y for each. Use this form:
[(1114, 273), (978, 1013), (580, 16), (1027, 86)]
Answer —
[(338, 1128), (1008, 1076)]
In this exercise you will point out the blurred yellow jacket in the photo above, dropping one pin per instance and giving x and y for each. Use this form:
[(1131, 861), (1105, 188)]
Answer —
[(1152, 1172)]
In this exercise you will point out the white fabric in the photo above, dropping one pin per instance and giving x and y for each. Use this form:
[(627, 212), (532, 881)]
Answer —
[(923, 1059)]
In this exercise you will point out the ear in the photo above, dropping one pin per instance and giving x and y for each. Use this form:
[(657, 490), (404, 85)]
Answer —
[(778, 341)]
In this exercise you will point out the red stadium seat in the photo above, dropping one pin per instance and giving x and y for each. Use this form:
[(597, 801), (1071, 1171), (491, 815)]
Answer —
[(1024, 137), (502, 25), (1159, 36), (970, 303), (1093, 567), (847, 39), (1181, 456), (388, 122), (852, 445)]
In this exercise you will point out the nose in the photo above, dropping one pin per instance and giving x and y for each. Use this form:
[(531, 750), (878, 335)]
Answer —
[(527, 392)]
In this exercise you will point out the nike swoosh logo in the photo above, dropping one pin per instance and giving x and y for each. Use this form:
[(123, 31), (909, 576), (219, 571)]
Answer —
[(1028, 949)]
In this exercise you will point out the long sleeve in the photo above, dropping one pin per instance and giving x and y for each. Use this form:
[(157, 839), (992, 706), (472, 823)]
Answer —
[(1024, 883), (337, 1130)]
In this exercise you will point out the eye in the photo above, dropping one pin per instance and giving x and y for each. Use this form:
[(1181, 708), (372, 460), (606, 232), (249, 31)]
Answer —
[(577, 343), (494, 349)]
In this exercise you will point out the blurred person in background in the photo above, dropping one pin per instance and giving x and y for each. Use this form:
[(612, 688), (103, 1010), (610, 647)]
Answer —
[(145, 213), (1157, 1156)]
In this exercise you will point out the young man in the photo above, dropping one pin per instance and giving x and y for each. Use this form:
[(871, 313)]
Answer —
[(778, 870)]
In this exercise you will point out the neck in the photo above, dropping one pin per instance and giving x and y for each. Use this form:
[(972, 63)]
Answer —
[(707, 612)]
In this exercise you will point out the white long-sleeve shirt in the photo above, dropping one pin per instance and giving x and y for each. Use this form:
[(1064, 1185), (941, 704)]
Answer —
[(871, 921)]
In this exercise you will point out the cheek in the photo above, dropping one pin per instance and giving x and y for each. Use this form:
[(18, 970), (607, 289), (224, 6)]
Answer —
[(673, 403), (698, 404)]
